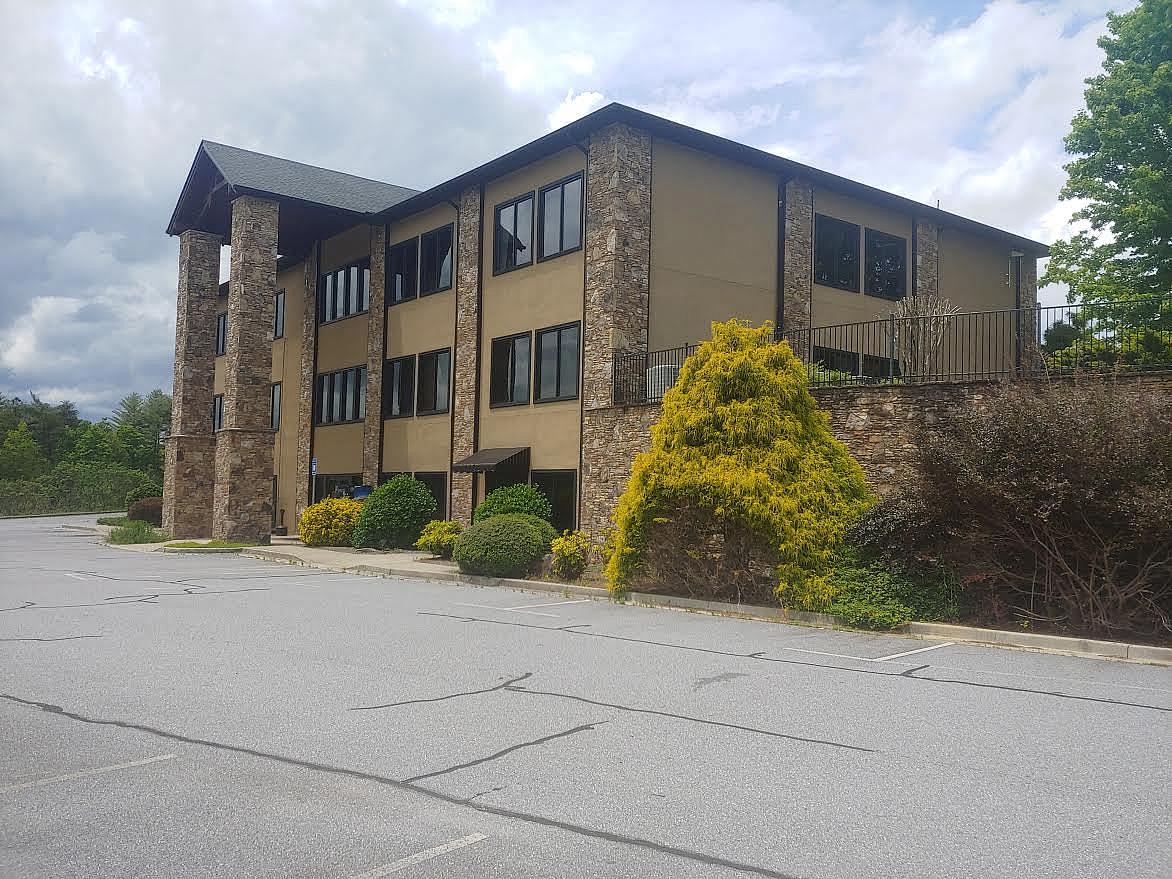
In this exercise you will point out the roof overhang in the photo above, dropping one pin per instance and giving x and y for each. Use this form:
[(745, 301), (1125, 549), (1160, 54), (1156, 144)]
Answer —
[(487, 460)]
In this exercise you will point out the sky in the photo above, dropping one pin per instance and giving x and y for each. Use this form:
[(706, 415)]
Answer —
[(965, 103)]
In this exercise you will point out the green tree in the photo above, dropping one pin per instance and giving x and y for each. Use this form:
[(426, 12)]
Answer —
[(20, 456), (1123, 141), (49, 424)]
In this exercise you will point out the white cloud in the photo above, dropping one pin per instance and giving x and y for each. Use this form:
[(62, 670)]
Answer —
[(575, 105)]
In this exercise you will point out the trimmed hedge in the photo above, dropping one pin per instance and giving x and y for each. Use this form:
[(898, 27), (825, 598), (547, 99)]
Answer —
[(149, 509), (517, 498), (439, 537), (571, 554), (329, 522), (394, 514), (502, 546)]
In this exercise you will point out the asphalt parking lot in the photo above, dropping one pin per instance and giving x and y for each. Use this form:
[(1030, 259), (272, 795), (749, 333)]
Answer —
[(214, 716)]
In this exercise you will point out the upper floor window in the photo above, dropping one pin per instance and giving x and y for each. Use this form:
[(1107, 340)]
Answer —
[(434, 372), (557, 363), (221, 333), (341, 395), (399, 387), (509, 372), (275, 405), (836, 253), (435, 260), (217, 412), (279, 315), (512, 240), (886, 265), (560, 224), (344, 292), (402, 271)]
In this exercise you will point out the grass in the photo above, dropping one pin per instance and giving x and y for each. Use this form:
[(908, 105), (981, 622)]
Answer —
[(116, 521), (135, 531), (210, 544)]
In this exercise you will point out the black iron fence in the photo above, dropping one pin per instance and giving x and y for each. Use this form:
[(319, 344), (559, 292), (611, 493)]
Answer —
[(969, 346)]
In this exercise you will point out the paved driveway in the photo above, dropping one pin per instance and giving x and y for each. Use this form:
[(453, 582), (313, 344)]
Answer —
[(212, 716)]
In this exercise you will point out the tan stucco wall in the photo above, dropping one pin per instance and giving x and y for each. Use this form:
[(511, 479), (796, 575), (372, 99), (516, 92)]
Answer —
[(287, 371), (713, 244), (342, 343), (338, 448), (345, 247), (832, 306), (974, 271), (541, 295)]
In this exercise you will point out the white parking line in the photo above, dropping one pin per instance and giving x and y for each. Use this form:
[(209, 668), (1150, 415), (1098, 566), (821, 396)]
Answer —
[(75, 576), (910, 652), (551, 604), (86, 773), (533, 613), (420, 857)]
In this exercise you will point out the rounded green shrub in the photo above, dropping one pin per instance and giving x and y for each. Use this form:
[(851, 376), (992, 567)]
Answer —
[(394, 514), (571, 554), (147, 489), (329, 522), (502, 546), (439, 537), (148, 509), (518, 498)]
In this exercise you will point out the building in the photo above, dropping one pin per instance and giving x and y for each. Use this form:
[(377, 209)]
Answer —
[(468, 334)]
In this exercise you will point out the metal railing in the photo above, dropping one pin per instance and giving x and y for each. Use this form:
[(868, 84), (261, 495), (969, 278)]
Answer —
[(972, 346)]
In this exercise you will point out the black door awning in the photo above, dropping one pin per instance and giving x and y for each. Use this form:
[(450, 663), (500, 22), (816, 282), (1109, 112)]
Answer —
[(487, 460)]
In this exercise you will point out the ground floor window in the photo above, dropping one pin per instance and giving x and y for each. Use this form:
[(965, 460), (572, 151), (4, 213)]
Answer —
[(334, 484), (437, 484), (560, 487)]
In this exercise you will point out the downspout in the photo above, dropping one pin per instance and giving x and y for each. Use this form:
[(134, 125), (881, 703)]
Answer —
[(779, 323)]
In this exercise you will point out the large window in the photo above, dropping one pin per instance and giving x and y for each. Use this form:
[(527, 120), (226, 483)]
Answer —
[(275, 405), (435, 260), (434, 371), (437, 484), (341, 395), (279, 315), (509, 373), (221, 333), (886, 266), (557, 363), (334, 484), (402, 271), (344, 292), (560, 223), (512, 240), (217, 412), (399, 387), (836, 253), (559, 487)]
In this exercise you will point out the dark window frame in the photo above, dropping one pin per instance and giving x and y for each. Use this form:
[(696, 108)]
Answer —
[(441, 497), (496, 225), (345, 405), (447, 402), (561, 184), (451, 227), (279, 315), (348, 300), (870, 237), (406, 244), (388, 365), (221, 333), (573, 474), (536, 357), (217, 412), (275, 406), (512, 337), (826, 222)]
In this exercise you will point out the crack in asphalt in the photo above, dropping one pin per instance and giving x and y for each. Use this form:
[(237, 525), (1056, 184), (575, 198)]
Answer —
[(498, 811), (757, 657), (458, 695), (140, 598), (64, 638), (504, 751)]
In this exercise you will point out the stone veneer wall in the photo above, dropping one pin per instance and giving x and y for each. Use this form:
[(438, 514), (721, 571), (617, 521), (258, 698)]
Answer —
[(189, 464), (467, 354), (617, 253), (243, 502), (305, 385), (798, 250), (927, 258), (372, 433)]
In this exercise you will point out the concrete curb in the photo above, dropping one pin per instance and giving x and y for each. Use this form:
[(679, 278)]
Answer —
[(202, 550), (1051, 643)]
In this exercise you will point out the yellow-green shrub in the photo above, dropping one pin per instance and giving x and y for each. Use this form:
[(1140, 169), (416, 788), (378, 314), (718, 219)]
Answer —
[(329, 522), (743, 484), (439, 536), (571, 554)]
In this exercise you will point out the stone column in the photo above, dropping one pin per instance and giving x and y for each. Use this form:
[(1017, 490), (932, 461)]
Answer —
[(927, 268), (798, 248), (305, 385), (466, 357), (1032, 359), (243, 506), (372, 434), (189, 468), (617, 253)]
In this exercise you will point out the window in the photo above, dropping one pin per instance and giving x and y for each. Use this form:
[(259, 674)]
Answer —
[(341, 395), (875, 366), (279, 315), (559, 487), (434, 370), (402, 277), (344, 292), (331, 484), (836, 253), (399, 387), (435, 260), (512, 241), (560, 225), (837, 360), (886, 266), (509, 372), (221, 333), (275, 405), (557, 363), (437, 484), (217, 412)]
